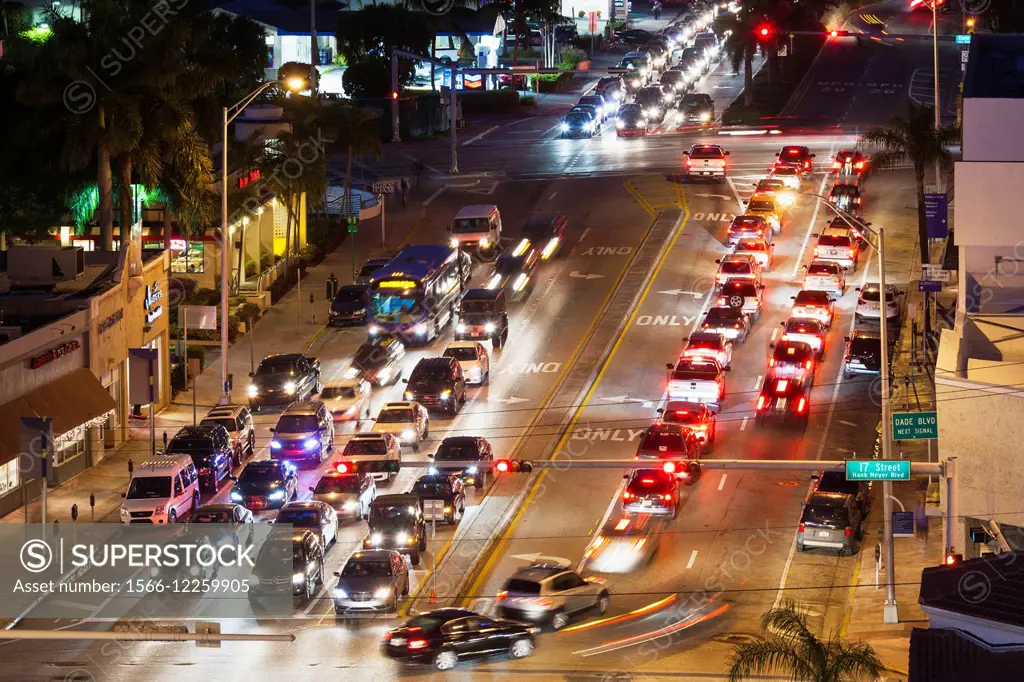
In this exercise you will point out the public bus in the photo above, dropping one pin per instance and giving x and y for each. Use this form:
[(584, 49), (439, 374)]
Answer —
[(416, 295)]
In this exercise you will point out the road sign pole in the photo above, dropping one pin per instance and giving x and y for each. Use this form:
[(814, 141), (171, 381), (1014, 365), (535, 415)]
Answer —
[(383, 232), (952, 504), (890, 613)]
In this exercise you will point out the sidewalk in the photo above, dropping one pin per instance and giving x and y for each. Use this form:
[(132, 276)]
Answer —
[(290, 326)]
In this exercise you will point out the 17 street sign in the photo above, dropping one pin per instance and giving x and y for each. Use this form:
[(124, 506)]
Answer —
[(915, 425), (877, 470)]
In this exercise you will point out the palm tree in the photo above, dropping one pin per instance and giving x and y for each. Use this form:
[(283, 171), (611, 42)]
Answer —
[(794, 651), (741, 46), (356, 131), (913, 138)]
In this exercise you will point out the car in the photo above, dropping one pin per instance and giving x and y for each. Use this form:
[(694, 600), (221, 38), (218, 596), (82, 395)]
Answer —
[(371, 580), (789, 175), (305, 430), (578, 123), (611, 86), (784, 196), (474, 360), (396, 522), (465, 449), (445, 636), (379, 360), (708, 345), (708, 42), (869, 302), (659, 55), (671, 443), (651, 99), (863, 353), (378, 454), (796, 156), (783, 400), (849, 162), (825, 275), (698, 108), (349, 494), (761, 249), (599, 103), (746, 295), (660, 41), (437, 383), (706, 160), (211, 450), (305, 555), (695, 416), (625, 544), (222, 513), (406, 420), (766, 205), (814, 305), (282, 379), (267, 484), (675, 34), (691, 68), (651, 491), (546, 230), (513, 271), (312, 515), (630, 120), (697, 380), (347, 399), (633, 36), (812, 332), (483, 314), (447, 491), (792, 360), (675, 80), (348, 306), (839, 245), (732, 323), (639, 70), (550, 592), (591, 109), (748, 226), (237, 420), (830, 521), (369, 267), (847, 198), (835, 482), (735, 266)]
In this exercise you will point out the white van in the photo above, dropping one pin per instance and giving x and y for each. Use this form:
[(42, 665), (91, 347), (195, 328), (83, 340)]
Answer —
[(162, 490), (477, 228)]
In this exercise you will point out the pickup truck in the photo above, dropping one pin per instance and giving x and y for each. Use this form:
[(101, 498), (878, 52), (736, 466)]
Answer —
[(705, 160), (283, 379), (376, 454), (698, 380)]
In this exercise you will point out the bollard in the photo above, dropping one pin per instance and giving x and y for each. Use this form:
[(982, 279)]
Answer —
[(312, 310), (74, 512), (56, 527), (131, 469), (92, 507), (165, 441)]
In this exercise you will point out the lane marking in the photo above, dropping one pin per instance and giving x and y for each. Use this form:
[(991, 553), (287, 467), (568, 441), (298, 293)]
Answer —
[(721, 484), (436, 194), (553, 196), (477, 137), (814, 217), (775, 334), (736, 193), (757, 381), (693, 554), (743, 424)]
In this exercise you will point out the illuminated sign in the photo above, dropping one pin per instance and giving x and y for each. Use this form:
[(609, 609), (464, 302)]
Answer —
[(248, 178), (55, 353), (397, 284), (153, 294), (473, 81), (178, 245)]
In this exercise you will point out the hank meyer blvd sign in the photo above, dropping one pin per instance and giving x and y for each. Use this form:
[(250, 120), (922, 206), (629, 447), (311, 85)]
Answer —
[(877, 470)]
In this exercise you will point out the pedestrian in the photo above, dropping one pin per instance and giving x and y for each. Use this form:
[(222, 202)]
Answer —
[(921, 520), (404, 186), (657, 10)]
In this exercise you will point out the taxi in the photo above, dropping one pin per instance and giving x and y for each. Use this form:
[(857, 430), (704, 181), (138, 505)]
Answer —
[(761, 249), (767, 206), (783, 194)]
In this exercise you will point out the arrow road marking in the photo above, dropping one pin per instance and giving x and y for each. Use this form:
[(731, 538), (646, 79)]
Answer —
[(715, 196), (627, 399), (680, 292), (509, 401), (535, 556), (578, 275)]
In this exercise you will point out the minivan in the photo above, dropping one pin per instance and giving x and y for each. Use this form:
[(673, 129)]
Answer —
[(830, 521), (437, 383), (162, 490), (477, 228)]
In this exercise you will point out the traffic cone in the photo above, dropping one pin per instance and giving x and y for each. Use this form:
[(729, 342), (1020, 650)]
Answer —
[(433, 596)]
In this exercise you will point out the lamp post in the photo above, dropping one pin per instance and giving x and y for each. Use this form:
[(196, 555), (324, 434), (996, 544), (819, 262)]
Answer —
[(890, 613), (935, 74), (230, 114)]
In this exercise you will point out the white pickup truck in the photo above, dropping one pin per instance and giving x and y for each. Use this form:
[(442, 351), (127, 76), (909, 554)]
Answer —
[(376, 454), (698, 380)]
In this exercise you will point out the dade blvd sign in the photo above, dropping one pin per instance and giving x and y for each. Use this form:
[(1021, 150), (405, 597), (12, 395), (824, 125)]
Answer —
[(877, 470), (915, 426)]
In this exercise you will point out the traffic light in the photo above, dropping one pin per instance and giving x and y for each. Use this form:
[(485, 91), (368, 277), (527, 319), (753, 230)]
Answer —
[(764, 31), (953, 559), (969, 24), (685, 470), (394, 94), (836, 33), (518, 466)]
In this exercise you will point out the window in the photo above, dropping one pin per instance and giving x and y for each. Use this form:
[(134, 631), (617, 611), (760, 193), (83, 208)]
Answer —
[(190, 260), (70, 449), (10, 476)]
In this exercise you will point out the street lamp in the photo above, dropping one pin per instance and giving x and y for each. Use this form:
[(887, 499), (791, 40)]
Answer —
[(935, 73), (295, 84), (890, 613)]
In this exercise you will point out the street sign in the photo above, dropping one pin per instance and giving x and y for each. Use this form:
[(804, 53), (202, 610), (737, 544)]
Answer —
[(384, 186), (915, 425), (592, 22), (963, 39), (925, 285), (903, 524), (936, 208), (353, 224), (935, 273), (877, 470)]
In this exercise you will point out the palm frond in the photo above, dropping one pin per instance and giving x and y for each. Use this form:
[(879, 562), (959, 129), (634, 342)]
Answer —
[(853, 660), (767, 658)]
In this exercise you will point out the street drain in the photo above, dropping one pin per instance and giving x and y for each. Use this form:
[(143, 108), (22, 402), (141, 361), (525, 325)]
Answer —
[(735, 638)]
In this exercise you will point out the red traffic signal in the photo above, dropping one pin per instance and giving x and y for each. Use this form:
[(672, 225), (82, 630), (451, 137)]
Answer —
[(764, 30), (380, 466), (953, 559), (394, 94), (517, 466)]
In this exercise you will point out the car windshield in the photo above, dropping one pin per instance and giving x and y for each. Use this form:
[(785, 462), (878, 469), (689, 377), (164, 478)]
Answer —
[(577, 117), (835, 482), (813, 297), (833, 240), (634, 63), (456, 452), (304, 518), (332, 392), (277, 367), (706, 153), (337, 484), (732, 267), (464, 225), (724, 314), (770, 185), (631, 115), (822, 269), (646, 96), (149, 487), (432, 489), (346, 295), (297, 423), (691, 416), (763, 205), (229, 424), (367, 446), (691, 53), (391, 514), (252, 474), (792, 152), (705, 341), (395, 415), (591, 99), (671, 76), (190, 446), (368, 270), (361, 568), (478, 306), (429, 375), (662, 441), (218, 516), (520, 586), (463, 354)]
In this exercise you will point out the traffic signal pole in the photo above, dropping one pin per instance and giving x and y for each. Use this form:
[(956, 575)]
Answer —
[(568, 462)]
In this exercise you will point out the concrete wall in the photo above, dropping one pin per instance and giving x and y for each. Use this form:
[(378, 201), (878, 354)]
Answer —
[(985, 138), (989, 193), (17, 378)]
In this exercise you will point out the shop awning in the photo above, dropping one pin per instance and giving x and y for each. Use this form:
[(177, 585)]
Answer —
[(74, 401)]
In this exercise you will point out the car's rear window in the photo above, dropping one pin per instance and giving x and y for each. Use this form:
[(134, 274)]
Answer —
[(873, 295), (741, 288), (761, 205), (731, 267), (792, 352), (649, 479), (821, 269), (814, 297), (704, 152), (662, 441), (825, 514), (834, 240), (728, 314), (862, 346)]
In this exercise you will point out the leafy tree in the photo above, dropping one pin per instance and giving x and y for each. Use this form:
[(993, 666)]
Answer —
[(366, 39), (913, 138), (793, 651), (355, 131)]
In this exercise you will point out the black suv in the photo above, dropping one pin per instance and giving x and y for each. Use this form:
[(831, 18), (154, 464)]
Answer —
[(348, 306), (447, 491), (465, 449), (211, 451), (483, 314), (437, 383), (307, 559), (267, 484), (283, 379), (835, 482), (396, 522)]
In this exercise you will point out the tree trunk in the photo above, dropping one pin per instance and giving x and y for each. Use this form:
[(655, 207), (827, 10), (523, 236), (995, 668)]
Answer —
[(748, 79), (166, 227), (922, 221), (346, 201), (126, 199), (105, 188), (314, 55), (515, 48)]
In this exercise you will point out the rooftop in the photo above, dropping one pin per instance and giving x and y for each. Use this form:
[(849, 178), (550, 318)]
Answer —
[(995, 67), (941, 655), (942, 587)]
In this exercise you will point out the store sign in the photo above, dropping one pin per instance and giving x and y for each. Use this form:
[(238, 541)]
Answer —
[(110, 321), (248, 178), (55, 353), (178, 245), (153, 295)]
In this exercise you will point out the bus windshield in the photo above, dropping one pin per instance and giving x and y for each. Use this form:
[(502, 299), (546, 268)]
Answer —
[(403, 306)]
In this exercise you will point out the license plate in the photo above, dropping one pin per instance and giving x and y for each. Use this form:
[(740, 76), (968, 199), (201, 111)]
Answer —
[(782, 403), (398, 642), (822, 533), (647, 503), (833, 253)]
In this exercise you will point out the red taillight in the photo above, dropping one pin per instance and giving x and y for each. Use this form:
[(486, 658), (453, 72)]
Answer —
[(800, 529), (502, 595), (859, 165), (668, 497), (760, 403), (688, 163), (847, 532), (807, 365), (802, 405), (417, 643), (627, 495), (771, 362), (836, 164), (386, 637), (807, 164), (736, 326)]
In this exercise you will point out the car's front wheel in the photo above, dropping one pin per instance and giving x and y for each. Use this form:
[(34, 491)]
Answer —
[(521, 648), (445, 660), (559, 620)]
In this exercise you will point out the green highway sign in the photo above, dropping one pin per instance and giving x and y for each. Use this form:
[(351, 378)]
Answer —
[(915, 426), (877, 470)]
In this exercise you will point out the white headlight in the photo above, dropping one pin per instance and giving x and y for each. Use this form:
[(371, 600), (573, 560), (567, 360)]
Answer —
[(445, 394), (620, 125), (402, 538), (495, 282), (373, 330), (349, 506), (298, 578), (484, 242), (460, 327), (589, 126), (289, 388), (253, 391), (454, 243), (408, 435), (382, 593), (563, 126), (520, 282), (705, 117), (489, 328), (376, 538), (340, 594)]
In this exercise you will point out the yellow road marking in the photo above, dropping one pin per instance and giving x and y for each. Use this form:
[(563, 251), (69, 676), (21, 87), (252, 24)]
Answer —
[(499, 548), (851, 596)]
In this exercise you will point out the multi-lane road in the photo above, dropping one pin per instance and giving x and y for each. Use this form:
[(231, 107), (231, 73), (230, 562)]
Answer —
[(581, 376)]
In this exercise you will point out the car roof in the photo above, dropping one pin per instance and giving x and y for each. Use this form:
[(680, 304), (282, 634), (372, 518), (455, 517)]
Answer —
[(302, 407), (398, 405), (372, 555), (866, 334), (282, 356), (396, 499), (302, 504), (267, 464), (225, 411), (165, 463), (705, 337), (368, 436), (822, 499), (217, 506), (343, 383), (462, 344), (476, 211), (479, 294), (198, 430), (434, 362)]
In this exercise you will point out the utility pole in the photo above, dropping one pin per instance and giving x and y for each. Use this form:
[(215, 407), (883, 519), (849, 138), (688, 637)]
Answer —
[(891, 612)]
